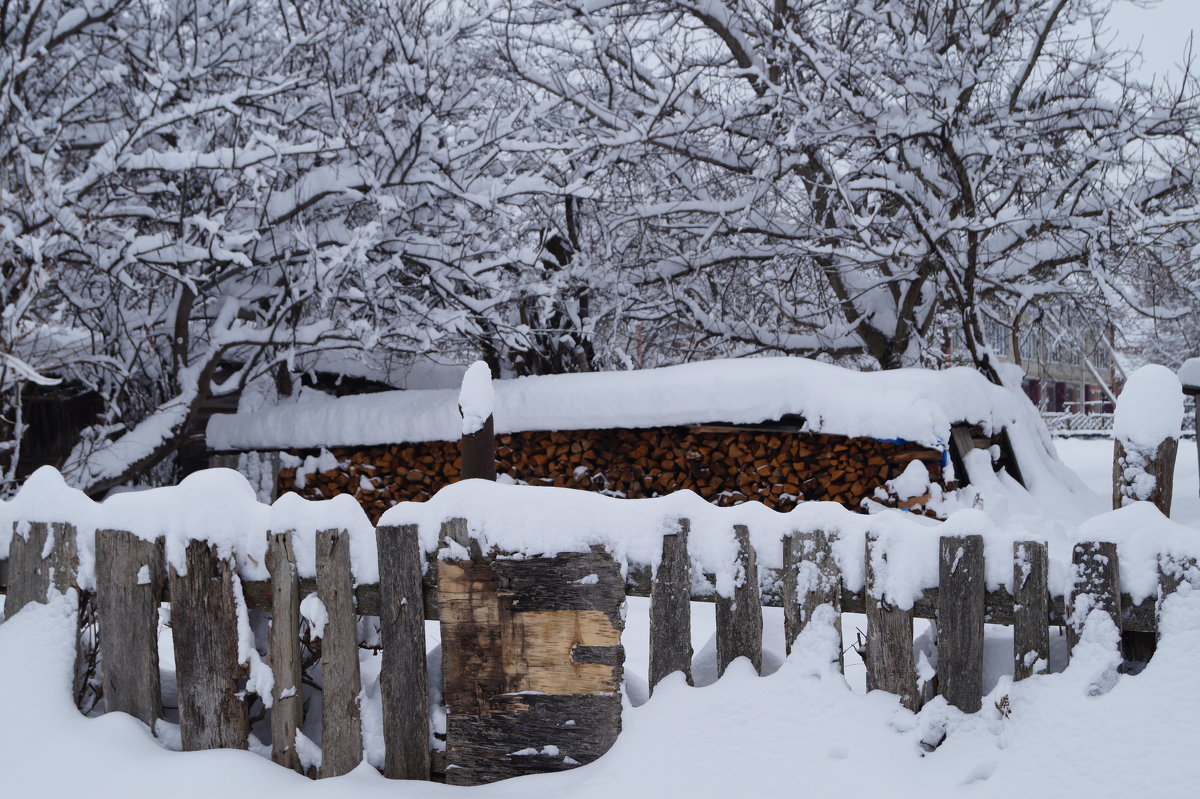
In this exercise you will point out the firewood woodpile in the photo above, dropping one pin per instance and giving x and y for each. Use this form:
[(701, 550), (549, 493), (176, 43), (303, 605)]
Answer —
[(725, 465)]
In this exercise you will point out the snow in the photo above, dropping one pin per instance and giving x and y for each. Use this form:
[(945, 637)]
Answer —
[(1189, 373), (912, 404), (476, 398), (1149, 409)]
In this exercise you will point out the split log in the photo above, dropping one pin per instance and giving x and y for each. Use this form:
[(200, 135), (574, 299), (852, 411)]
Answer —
[(739, 618), (204, 626), (129, 582), (961, 590), (671, 610), (403, 681), (341, 683)]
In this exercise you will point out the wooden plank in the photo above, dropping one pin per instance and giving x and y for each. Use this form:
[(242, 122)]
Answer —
[(811, 578), (287, 698), (671, 610), (479, 452), (1096, 580), (1031, 609), (212, 714), (129, 580), (960, 621), (739, 618), (889, 655), (64, 556), (404, 683), (543, 637), (341, 683), (28, 571)]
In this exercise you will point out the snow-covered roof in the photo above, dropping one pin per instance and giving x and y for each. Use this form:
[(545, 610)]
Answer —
[(912, 404)]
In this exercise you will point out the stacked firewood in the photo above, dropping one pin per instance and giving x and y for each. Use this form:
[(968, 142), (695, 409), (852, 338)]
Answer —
[(724, 465)]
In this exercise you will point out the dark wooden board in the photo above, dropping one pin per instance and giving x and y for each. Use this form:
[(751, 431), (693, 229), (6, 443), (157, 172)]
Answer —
[(1031, 609), (889, 653), (670, 610), (287, 698), (739, 618), (1095, 585), (811, 578), (960, 621), (341, 683)]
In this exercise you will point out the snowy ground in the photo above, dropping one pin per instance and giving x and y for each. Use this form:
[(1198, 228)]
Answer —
[(1079, 732)]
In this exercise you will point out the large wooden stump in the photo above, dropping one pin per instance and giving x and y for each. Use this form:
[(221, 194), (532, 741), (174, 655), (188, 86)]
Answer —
[(532, 663)]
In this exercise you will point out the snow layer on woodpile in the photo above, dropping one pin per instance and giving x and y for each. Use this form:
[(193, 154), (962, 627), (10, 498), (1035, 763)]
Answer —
[(912, 404), (1150, 408)]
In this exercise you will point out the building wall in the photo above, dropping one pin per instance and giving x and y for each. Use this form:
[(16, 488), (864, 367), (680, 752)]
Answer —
[(726, 466)]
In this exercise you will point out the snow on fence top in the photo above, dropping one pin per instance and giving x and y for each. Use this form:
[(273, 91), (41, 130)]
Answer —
[(219, 506), (912, 404), (1150, 408)]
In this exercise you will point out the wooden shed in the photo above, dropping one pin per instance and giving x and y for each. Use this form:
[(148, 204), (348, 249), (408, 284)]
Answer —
[(775, 430)]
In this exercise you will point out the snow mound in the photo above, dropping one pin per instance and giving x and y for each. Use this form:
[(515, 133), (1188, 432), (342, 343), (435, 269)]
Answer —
[(1150, 408)]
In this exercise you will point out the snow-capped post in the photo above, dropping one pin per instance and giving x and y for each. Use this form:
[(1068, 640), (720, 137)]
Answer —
[(475, 402), (341, 683), (1189, 377), (129, 584), (1146, 429), (671, 609)]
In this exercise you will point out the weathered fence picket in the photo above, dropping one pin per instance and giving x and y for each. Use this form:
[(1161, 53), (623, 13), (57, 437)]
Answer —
[(129, 582), (1095, 585), (283, 653), (204, 626), (403, 680), (960, 621), (671, 610), (1031, 609), (739, 617), (888, 656), (811, 578), (341, 683)]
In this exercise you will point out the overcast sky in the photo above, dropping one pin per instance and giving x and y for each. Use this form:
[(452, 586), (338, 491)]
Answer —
[(1161, 32)]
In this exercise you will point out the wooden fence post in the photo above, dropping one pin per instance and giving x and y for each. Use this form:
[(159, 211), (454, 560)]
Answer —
[(341, 684), (671, 610), (961, 592), (403, 680), (1173, 573), (811, 578), (204, 627), (739, 618), (1096, 584), (129, 583), (531, 660), (889, 655), (28, 572), (479, 452), (1031, 609), (1159, 464), (287, 698)]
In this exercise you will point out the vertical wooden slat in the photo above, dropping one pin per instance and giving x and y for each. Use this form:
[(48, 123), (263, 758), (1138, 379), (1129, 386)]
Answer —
[(64, 556), (129, 582), (478, 452), (403, 681), (1096, 582), (889, 655), (671, 610), (739, 618), (341, 714), (961, 593), (28, 571), (1031, 609), (811, 578), (204, 627), (287, 698)]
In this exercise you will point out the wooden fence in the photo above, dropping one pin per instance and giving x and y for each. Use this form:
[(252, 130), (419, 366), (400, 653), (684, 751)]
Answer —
[(532, 662)]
